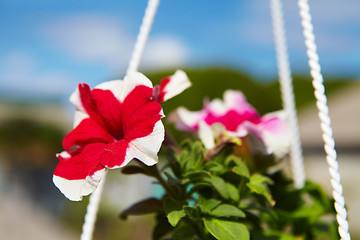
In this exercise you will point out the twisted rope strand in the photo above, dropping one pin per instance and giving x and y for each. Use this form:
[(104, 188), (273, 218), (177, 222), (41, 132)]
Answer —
[(143, 35), (91, 211), (94, 201), (287, 92), (321, 103)]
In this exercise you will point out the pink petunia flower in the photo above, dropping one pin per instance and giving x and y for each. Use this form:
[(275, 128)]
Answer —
[(239, 119), (114, 123)]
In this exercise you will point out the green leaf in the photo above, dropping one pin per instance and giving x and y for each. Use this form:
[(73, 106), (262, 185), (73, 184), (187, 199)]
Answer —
[(198, 186), (311, 212), (258, 178), (146, 206), (197, 156), (215, 168), (227, 210), (318, 193), (162, 227), (171, 180), (241, 169), (197, 175), (175, 216), (174, 211), (257, 184), (226, 230), (231, 160), (173, 162), (233, 192), (191, 156), (220, 186), (192, 212), (184, 231), (207, 205), (280, 235)]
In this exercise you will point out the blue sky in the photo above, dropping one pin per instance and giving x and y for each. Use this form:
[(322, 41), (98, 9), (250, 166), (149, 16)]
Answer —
[(47, 47)]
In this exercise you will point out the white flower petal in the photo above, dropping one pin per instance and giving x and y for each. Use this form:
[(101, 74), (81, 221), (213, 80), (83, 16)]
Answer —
[(74, 190), (131, 81), (217, 107), (115, 86), (76, 101), (206, 135), (78, 117), (146, 148), (276, 133), (187, 120), (177, 84)]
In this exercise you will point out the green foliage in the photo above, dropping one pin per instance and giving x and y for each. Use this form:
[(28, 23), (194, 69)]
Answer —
[(226, 230), (38, 142), (219, 197)]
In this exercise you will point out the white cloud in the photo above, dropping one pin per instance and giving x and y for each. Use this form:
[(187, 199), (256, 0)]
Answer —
[(93, 38), (335, 24), (19, 75), (165, 51), (97, 38)]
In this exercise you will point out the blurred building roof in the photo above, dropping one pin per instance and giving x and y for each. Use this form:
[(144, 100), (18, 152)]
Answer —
[(344, 107), (53, 113)]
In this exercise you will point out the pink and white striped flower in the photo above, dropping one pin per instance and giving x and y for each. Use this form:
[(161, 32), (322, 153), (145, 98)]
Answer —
[(236, 116), (114, 123)]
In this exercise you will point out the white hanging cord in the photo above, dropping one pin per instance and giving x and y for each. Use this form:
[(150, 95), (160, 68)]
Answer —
[(143, 35), (287, 92), (329, 143), (94, 201), (91, 211)]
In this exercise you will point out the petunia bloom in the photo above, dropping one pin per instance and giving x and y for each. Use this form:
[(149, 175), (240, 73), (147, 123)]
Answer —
[(239, 119), (114, 123)]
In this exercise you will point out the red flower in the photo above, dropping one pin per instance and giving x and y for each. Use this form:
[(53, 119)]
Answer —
[(114, 123)]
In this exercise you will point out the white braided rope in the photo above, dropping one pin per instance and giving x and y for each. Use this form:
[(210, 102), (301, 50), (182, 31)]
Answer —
[(287, 92), (143, 35), (91, 211), (329, 143), (94, 201)]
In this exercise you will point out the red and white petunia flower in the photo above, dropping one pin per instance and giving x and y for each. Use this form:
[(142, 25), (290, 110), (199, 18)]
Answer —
[(114, 123), (236, 116)]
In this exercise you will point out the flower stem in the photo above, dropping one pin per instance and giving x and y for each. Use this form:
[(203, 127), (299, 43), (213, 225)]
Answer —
[(154, 172), (195, 227), (169, 141)]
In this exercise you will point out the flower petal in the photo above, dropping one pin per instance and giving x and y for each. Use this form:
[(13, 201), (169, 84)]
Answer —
[(103, 107), (78, 117), (108, 112), (231, 112), (139, 113), (76, 101), (187, 120), (79, 175), (206, 135), (173, 85), (236, 100), (114, 86), (115, 154), (88, 131), (146, 148), (277, 136), (131, 81)]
